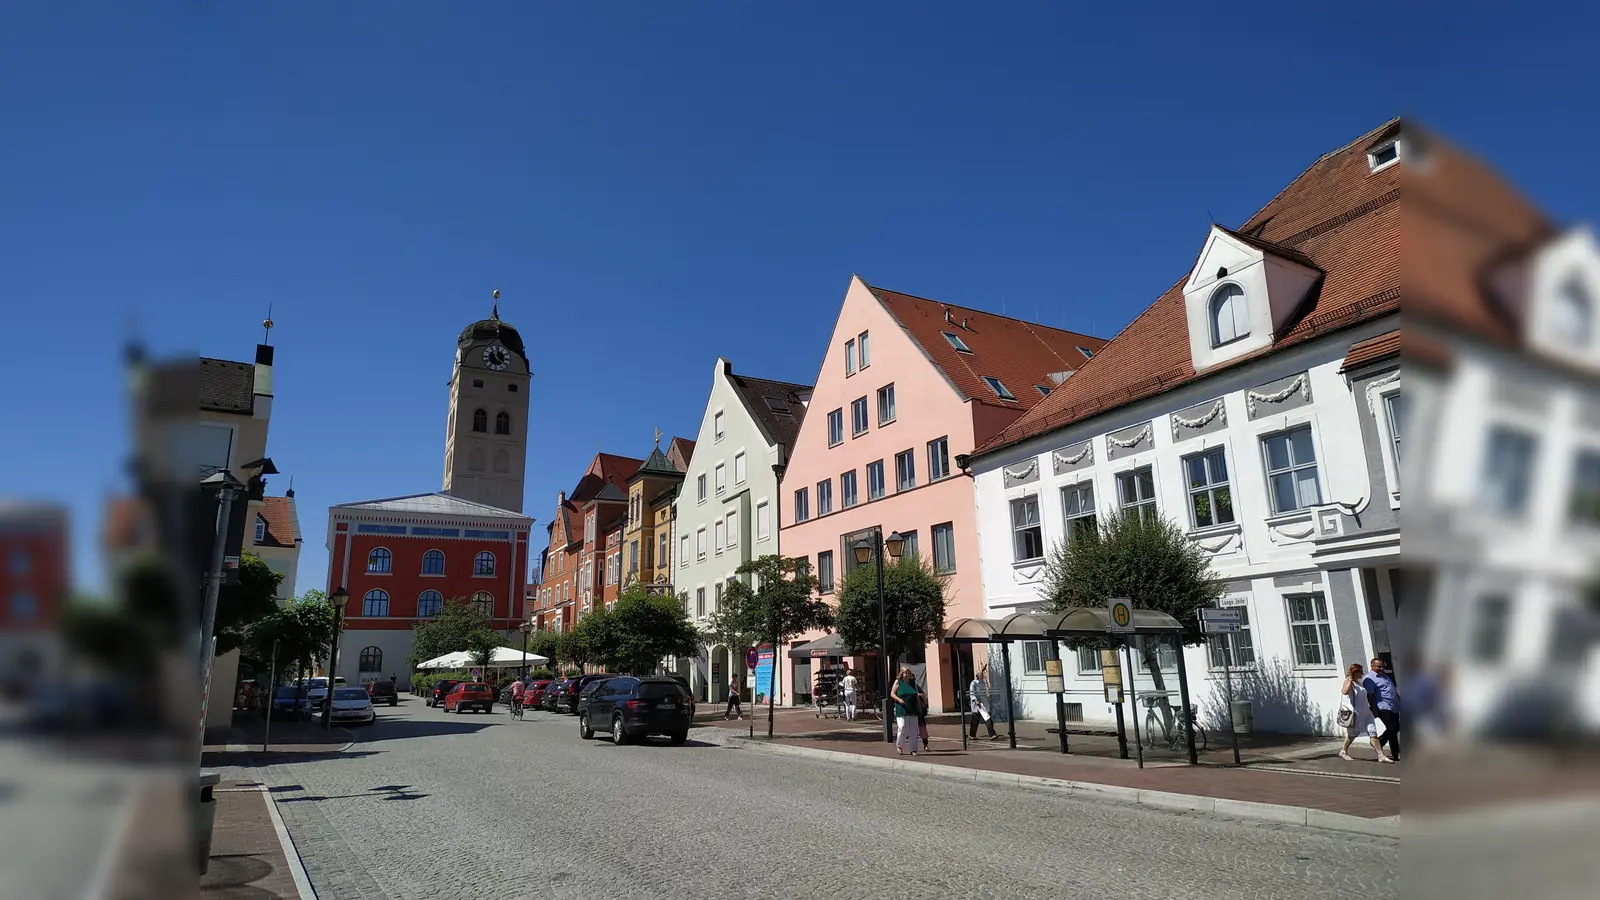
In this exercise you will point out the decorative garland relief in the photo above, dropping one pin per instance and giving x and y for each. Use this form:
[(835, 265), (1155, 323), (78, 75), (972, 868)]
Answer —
[(1027, 470), (1300, 384), (1373, 388), (1144, 434), (1217, 409), (1088, 448)]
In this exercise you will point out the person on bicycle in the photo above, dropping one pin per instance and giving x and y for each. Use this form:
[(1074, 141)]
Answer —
[(517, 690)]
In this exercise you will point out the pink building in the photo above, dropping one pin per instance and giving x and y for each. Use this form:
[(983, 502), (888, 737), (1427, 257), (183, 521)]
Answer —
[(909, 386)]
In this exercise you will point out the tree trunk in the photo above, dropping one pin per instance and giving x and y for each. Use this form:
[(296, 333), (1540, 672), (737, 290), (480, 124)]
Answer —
[(1152, 661)]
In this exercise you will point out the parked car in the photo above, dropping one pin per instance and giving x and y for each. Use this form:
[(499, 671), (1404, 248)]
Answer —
[(586, 693), (534, 698), (441, 689), (352, 704), (289, 701), (631, 708), (383, 692), (687, 690), (552, 694), (568, 700), (469, 695)]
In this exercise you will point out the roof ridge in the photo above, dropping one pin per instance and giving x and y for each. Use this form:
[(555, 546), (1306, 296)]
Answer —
[(1365, 136)]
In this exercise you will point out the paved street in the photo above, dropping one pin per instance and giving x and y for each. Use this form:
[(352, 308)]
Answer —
[(442, 807)]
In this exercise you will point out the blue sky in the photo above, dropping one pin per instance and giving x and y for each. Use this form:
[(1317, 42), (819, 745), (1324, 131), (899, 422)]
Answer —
[(651, 185)]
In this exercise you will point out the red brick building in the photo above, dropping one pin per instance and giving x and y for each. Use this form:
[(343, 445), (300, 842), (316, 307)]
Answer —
[(402, 558), (574, 562), (33, 585)]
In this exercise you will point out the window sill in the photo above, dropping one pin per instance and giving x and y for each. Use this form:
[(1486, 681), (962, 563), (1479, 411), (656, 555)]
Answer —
[(862, 433), (489, 575), (833, 444), (944, 571), (432, 574), (1028, 563), (1216, 530), (1293, 517)]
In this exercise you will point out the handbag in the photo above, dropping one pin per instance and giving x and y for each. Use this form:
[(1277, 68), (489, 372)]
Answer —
[(1346, 717)]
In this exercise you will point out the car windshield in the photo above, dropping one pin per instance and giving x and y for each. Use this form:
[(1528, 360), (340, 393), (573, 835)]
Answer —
[(475, 687), (286, 692), (656, 690), (349, 694)]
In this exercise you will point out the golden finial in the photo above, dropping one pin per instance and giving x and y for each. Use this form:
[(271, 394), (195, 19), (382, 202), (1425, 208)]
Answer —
[(658, 439)]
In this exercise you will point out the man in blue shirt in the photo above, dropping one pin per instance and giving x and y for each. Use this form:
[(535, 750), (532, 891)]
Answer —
[(1384, 698)]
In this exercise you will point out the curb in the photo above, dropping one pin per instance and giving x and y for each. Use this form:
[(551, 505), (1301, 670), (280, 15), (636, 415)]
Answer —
[(297, 868), (1237, 809)]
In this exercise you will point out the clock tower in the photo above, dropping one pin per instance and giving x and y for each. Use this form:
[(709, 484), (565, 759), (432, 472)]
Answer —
[(486, 439)]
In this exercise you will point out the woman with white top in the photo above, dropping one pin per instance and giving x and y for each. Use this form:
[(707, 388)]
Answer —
[(847, 686), (1355, 714)]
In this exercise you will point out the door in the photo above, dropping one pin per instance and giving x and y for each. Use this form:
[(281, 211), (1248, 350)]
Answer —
[(606, 699), (802, 681)]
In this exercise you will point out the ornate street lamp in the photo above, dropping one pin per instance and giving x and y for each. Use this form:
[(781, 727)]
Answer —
[(338, 598), (865, 550)]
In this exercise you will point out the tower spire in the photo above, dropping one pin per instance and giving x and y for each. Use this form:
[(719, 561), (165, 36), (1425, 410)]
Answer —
[(495, 313)]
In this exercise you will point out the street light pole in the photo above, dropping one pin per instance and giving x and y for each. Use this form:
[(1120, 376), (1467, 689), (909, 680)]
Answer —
[(877, 548), (340, 597), (526, 627), (227, 487)]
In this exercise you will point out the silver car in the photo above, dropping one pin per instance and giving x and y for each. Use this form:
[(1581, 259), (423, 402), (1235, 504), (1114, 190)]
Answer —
[(353, 705)]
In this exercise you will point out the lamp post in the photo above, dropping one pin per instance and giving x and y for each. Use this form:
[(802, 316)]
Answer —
[(339, 598), (525, 627), (874, 548)]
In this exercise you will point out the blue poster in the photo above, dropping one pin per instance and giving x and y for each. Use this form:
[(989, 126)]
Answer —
[(763, 673)]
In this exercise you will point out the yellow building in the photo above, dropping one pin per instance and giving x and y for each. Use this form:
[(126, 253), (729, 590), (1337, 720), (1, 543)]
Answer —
[(647, 537)]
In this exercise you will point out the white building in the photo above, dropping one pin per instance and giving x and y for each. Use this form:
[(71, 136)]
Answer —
[(1256, 403), (728, 506)]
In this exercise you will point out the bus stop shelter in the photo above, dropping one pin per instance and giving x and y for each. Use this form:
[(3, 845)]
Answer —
[(1053, 627)]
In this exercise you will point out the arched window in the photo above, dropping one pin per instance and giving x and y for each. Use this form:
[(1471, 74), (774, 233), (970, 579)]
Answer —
[(483, 563), (475, 460), (502, 460), (480, 420), (1574, 316), (375, 604), (429, 603), (1230, 315), (484, 601), (378, 562), (502, 422), (433, 563), (371, 660)]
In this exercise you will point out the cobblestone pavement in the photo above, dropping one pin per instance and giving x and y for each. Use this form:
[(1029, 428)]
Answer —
[(478, 806)]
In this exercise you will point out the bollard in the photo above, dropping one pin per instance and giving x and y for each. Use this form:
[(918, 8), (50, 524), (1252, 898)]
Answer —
[(206, 817)]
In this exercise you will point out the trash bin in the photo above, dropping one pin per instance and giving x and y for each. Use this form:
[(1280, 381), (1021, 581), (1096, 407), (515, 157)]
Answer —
[(206, 816), (1244, 717)]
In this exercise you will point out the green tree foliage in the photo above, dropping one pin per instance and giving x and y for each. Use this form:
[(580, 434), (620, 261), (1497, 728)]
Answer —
[(240, 606), (728, 625), (773, 601), (634, 634), (914, 607), (550, 644), (303, 630), (458, 626), (482, 643)]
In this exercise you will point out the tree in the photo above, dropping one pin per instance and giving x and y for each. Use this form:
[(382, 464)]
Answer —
[(454, 629), (914, 607), (240, 606), (548, 644), (728, 626), (776, 601), (482, 643), (1149, 560), (634, 634), (302, 629)]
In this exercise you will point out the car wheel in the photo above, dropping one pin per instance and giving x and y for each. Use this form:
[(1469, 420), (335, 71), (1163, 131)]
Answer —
[(679, 737), (584, 731), (618, 735)]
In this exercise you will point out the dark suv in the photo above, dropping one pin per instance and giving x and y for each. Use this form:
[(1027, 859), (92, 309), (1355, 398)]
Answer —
[(552, 694), (630, 708), (440, 689), (587, 692), (567, 700), (383, 692)]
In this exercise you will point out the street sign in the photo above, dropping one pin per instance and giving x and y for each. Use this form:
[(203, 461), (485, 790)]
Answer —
[(1220, 621), (1054, 682), (1121, 610), (750, 658)]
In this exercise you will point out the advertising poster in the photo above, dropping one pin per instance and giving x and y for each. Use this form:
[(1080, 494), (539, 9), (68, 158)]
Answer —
[(764, 658)]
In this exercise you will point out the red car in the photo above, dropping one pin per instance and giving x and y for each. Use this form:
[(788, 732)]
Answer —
[(469, 694), (533, 697)]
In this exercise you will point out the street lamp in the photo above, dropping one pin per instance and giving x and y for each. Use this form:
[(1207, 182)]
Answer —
[(227, 488), (339, 598), (525, 627), (866, 549)]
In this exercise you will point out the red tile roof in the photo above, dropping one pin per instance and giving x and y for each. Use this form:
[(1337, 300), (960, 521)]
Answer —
[(1020, 354), (279, 515), (1338, 214), (1372, 349)]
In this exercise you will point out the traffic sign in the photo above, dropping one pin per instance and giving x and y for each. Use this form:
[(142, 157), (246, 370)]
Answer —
[(1121, 610), (750, 658), (1220, 621)]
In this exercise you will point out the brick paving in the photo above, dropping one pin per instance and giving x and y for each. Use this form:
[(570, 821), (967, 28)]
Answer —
[(248, 861)]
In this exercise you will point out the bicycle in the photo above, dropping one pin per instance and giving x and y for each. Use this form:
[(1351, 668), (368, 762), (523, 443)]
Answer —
[(517, 704), (1157, 731)]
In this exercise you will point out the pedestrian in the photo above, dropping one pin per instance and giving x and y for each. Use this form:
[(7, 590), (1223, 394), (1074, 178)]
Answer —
[(1383, 698), (517, 690), (847, 685), (735, 710), (1355, 714), (906, 696), (977, 691)]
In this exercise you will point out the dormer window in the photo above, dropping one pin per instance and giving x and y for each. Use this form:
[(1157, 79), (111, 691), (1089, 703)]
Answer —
[(999, 389), (1573, 321), (1384, 155), (261, 530), (1229, 316), (956, 342)]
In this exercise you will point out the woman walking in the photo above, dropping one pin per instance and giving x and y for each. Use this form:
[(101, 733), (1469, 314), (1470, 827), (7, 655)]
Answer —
[(907, 698), (1355, 715), (734, 710), (847, 686)]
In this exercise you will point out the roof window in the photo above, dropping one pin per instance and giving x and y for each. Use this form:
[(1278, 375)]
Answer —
[(956, 342), (999, 389), (1384, 155), (1087, 353), (1043, 391)]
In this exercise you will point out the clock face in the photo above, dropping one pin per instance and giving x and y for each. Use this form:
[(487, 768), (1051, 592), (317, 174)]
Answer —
[(496, 357)]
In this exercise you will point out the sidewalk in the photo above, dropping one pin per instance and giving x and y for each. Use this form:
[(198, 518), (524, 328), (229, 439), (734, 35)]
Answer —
[(249, 858)]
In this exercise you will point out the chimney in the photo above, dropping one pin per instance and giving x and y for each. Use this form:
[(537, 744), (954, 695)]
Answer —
[(949, 319), (263, 370), (964, 324), (561, 498)]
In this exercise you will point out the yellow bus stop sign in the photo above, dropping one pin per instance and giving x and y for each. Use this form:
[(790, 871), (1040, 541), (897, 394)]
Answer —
[(1121, 611)]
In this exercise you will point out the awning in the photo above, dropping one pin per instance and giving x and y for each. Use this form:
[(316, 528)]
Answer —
[(829, 645), (1044, 626)]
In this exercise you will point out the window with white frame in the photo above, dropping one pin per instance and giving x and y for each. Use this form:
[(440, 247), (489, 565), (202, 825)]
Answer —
[(909, 545), (1000, 390), (1077, 509), (733, 529), (825, 571), (1088, 661), (885, 405), (1034, 653), (861, 351), (720, 530), (858, 416), (700, 544), (261, 530), (1573, 321), (739, 469), (1584, 505), (1136, 493), (1027, 537), (700, 603), (847, 489), (1229, 314), (802, 504), (1491, 621), (717, 429), (700, 488), (661, 554), (1292, 480), (849, 358), (1508, 469), (875, 485), (836, 428), (763, 521), (379, 561), (375, 603), (938, 458), (1234, 650), (905, 470), (956, 342), (944, 548), (683, 551), (824, 497), (722, 477), (716, 596), (1210, 499), (1310, 630)]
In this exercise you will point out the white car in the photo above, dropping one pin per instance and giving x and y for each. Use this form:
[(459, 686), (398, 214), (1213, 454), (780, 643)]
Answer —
[(353, 705)]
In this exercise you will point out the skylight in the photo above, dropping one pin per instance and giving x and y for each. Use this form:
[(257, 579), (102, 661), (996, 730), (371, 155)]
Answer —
[(777, 404), (1043, 391), (1087, 353), (956, 342), (999, 389)]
